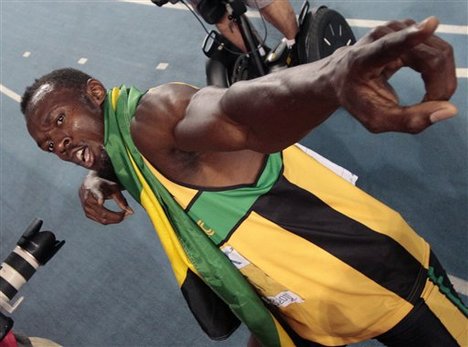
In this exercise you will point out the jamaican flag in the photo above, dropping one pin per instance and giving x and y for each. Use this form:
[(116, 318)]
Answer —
[(217, 294)]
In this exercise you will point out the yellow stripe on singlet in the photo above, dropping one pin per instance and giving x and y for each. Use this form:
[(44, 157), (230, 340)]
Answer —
[(183, 195), (169, 240), (352, 202), (312, 273)]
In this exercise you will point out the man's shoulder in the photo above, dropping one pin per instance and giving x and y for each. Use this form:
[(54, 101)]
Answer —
[(173, 91), (158, 112), (166, 100)]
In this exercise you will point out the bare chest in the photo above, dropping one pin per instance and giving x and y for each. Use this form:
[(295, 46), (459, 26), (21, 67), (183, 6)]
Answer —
[(213, 170)]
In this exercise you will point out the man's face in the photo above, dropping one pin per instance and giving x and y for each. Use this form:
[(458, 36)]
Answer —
[(68, 124)]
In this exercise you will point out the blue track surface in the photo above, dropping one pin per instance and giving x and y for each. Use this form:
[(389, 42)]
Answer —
[(112, 286)]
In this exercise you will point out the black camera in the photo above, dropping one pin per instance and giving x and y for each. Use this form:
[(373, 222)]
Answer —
[(163, 2), (34, 248)]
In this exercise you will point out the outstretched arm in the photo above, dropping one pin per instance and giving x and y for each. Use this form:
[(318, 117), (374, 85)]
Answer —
[(274, 111)]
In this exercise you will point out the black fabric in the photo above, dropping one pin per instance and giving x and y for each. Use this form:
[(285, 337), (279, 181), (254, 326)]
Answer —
[(219, 322), (420, 328), (211, 10), (375, 255), (452, 295), (440, 272)]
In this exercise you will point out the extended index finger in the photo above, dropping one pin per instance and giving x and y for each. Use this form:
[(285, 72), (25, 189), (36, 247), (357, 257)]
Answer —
[(393, 45), (122, 203)]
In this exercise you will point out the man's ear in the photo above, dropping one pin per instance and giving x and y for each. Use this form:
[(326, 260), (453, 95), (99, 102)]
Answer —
[(96, 91)]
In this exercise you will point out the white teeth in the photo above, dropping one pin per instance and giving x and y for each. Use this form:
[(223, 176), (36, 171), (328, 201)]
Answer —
[(79, 154), (86, 155)]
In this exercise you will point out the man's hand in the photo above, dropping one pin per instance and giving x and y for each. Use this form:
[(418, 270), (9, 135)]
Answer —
[(362, 72), (94, 191)]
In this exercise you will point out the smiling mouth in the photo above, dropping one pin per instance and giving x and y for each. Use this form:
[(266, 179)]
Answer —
[(83, 157)]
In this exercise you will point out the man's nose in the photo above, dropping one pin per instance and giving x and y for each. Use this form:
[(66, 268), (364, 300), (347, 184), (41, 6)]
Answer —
[(63, 144)]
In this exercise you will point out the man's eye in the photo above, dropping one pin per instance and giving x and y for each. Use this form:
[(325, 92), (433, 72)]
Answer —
[(60, 119), (50, 146)]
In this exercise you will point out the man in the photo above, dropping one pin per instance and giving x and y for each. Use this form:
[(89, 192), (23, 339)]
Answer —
[(218, 169)]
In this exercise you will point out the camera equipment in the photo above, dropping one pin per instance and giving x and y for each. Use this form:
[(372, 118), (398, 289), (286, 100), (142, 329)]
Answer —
[(34, 248), (163, 2), (5, 325)]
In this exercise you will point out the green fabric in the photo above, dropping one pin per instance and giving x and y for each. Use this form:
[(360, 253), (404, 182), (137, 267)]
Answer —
[(117, 137), (439, 282), (213, 267), (236, 202)]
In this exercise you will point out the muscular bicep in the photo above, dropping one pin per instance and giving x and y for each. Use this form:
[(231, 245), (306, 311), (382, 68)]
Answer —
[(205, 127)]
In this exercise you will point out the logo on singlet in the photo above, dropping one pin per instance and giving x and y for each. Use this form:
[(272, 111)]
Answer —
[(236, 259), (284, 299), (208, 231)]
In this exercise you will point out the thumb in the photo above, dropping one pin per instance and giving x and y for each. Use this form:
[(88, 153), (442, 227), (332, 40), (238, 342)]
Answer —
[(420, 116), (445, 111)]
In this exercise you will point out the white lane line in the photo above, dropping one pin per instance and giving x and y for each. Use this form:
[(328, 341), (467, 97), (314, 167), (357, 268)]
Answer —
[(11, 94), (443, 28), (145, 2), (462, 73), (162, 66), (461, 286), (362, 23), (452, 29)]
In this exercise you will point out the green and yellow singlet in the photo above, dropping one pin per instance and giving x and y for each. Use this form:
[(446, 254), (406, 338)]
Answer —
[(336, 264), (339, 265)]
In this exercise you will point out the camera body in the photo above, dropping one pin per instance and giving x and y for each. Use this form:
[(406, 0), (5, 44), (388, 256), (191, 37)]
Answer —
[(163, 2), (35, 248)]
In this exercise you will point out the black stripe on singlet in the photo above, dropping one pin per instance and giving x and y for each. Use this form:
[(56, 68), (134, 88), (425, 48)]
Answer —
[(377, 256)]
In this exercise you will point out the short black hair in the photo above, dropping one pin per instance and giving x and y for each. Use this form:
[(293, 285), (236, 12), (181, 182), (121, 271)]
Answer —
[(68, 78)]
